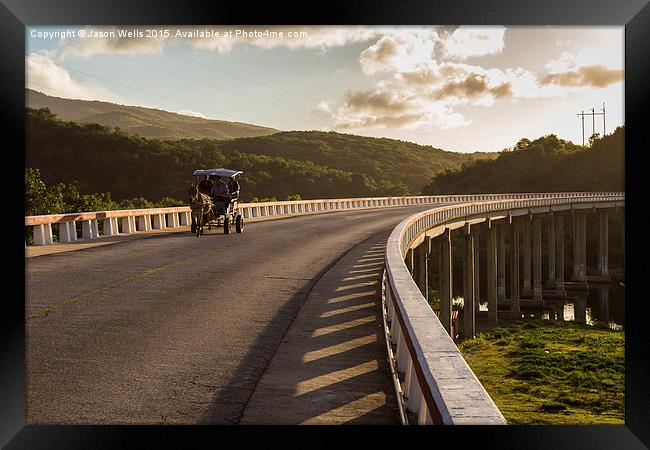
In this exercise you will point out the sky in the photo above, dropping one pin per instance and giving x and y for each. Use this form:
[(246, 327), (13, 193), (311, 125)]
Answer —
[(456, 88)]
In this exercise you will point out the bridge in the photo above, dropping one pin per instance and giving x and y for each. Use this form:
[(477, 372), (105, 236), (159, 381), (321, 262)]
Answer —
[(317, 313)]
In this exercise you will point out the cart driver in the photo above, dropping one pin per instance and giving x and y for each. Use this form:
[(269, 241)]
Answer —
[(219, 188)]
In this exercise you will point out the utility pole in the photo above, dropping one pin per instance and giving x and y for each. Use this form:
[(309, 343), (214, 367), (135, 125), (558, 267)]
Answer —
[(583, 126), (593, 115)]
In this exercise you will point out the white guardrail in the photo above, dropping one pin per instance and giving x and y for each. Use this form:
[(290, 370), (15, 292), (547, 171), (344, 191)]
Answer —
[(439, 386), (142, 220)]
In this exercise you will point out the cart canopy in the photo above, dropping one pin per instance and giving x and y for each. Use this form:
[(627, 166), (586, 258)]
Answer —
[(217, 172)]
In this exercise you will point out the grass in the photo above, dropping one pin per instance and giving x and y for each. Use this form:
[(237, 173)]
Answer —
[(550, 372)]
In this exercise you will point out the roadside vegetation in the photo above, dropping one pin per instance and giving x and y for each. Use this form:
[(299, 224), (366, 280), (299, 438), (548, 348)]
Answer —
[(551, 372)]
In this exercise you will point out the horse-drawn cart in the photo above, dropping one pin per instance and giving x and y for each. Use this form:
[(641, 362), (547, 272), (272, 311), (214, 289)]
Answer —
[(214, 200)]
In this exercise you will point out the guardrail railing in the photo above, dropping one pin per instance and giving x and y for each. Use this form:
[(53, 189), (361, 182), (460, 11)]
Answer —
[(142, 220), (439, 386)]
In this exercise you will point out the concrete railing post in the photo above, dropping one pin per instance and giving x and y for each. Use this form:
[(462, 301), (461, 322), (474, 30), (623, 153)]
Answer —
[(109, 229), (144, 223), (67, 232), (43, 234), (127, 225)]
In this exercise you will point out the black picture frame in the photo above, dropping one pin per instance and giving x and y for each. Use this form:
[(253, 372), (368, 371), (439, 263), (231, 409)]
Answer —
[(15, 15)]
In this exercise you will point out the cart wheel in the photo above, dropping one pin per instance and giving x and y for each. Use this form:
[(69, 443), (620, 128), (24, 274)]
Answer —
[(239, 223), (226, 225)]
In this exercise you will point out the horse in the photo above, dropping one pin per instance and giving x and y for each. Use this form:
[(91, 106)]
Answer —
[(202, 208)]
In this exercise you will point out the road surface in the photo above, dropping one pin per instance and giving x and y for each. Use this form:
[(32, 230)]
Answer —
[(174, 328)]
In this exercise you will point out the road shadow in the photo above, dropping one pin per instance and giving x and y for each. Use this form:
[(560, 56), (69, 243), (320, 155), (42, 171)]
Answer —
[(331, 366)]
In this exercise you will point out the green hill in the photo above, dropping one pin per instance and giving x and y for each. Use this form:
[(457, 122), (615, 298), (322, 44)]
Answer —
[(312, 164), (547, 164), (145, 122)]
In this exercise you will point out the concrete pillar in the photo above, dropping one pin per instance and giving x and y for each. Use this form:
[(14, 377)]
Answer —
[(501, 263), (559, 255), (604, 304), (525, 252), (583, 245), (446, 280), (580, 246), (469, 308), (95, 228), (491, 265), (537, 259), (127, 225), (514, 272), (603, 244), (477, 292), (551, 247), (580, 308)]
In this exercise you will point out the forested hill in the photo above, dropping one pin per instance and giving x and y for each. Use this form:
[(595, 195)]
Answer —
[(547, 164), (385, 160), (312, 164), (145, 122)]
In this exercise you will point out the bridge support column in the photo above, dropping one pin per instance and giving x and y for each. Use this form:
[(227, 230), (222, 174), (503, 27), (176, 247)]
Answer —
[(469, 298), (551, 248), (579, 246), (603, 244), (559, 255), (95, 228), (127, 225), (491, 265), (526, 287), (501, 263), (67, 232), (604, 304), (477, 285), (43, 234), (537, 259), (515, 310), (445, 287)]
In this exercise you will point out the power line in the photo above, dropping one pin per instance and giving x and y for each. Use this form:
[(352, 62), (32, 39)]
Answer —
[(305, 97), (593, 115), (204, 83)]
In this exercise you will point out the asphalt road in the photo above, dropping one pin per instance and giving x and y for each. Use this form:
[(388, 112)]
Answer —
[(174, 328)]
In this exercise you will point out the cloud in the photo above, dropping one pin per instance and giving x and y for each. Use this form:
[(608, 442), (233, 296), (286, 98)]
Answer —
[(45, 76), (189, 112), (596, 76), (473, 86), (469, 41)]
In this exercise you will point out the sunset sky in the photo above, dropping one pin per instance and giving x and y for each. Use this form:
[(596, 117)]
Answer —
[(456, 88)]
